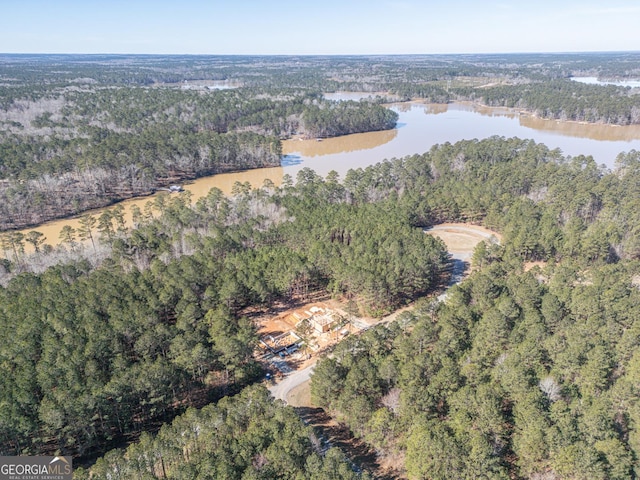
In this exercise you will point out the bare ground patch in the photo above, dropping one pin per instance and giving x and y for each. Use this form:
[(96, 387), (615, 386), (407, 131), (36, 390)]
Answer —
[(529, 265), (462, 238), (300, 396)]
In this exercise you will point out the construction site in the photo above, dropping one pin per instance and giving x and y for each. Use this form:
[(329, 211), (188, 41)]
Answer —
[(296, 335)]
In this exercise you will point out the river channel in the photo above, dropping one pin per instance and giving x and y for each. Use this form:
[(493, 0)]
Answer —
[(420, 126)]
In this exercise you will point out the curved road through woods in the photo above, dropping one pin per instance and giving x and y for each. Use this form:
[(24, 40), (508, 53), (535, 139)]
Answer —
[(281, 390), (461, 240)]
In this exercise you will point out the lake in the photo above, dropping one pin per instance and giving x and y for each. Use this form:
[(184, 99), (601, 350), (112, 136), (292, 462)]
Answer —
[(420, 126), (618, 83)]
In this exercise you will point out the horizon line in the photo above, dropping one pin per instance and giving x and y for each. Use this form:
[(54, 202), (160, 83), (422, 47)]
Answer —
[(567, 52)]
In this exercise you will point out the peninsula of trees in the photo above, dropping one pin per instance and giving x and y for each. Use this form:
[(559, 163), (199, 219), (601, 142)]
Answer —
[(79, 132), (145, 335)]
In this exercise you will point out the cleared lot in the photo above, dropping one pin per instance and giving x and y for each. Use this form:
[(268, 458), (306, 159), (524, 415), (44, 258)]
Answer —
[(461, 238)]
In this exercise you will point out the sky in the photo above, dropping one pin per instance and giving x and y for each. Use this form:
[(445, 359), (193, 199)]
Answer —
[(327, 27)]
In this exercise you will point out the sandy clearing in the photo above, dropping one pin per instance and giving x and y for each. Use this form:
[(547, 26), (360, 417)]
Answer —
[(461, 238), (529, 265)]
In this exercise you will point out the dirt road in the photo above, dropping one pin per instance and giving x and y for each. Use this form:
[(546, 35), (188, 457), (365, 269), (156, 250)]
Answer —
[(282, 389), (461, 239)]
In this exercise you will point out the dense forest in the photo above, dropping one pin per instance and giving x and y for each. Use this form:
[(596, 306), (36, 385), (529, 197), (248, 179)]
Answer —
[(101, 353), (517, 374), (78, 132), (163, 320), (82, 143), (144, 335), (247, 436)]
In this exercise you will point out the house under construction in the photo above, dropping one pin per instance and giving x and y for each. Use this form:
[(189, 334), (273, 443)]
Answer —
[(284, 342), (321, 319)]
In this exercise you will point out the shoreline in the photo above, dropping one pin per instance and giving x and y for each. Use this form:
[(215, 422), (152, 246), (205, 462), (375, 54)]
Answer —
[(361, 141), (161, 187), (520, 112)]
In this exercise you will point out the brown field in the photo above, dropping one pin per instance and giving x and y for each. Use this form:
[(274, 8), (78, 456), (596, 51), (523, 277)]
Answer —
[(275, 326), (286, 320)]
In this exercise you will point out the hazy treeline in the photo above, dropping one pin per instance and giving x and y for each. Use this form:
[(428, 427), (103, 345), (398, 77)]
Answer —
[(565, 100), (99, 146), (79, 132)]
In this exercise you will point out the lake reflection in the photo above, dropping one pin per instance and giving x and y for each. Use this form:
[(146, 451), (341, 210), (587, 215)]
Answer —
[(343, 145), (422, 126), (425, 125), (198, 188)]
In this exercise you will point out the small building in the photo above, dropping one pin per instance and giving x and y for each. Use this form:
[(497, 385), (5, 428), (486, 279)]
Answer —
[(321, 319), (321, 323)]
